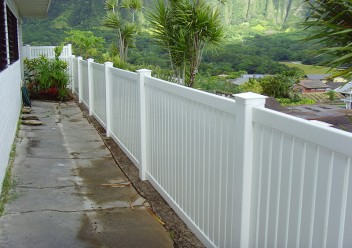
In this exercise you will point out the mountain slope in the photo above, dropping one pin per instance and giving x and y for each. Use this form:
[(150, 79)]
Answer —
[(86, 15)]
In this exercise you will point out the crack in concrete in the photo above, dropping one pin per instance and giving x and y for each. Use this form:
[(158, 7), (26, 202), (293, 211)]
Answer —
[(73, 211), (52, 187)]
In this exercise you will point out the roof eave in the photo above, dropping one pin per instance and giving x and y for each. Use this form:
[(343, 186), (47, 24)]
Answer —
[(34, 8)]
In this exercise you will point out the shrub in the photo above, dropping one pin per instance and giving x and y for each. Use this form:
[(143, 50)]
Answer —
[(292, 102), (45, 76)]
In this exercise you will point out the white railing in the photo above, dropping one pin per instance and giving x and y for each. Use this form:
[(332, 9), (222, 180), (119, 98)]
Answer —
[(32, 52), (302, 189), (238, 174), (85, 84), (99, 93), (125, 119)]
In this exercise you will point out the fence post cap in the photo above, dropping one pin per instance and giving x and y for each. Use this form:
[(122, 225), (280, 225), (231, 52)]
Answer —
[(79, 58), (144, 71), (250, 98), (108, 63), (90, 60)]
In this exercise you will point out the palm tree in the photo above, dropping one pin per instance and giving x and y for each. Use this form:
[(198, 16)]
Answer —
[(133, 6), (126, 31), (183, 28), (330, 22), (111, 5)]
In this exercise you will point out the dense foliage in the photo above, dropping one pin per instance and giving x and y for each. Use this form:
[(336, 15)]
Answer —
[(330, 22), (47, 77), (183, 29), (258, 35)]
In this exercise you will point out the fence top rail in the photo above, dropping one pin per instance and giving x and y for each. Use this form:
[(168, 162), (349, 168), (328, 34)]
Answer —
[(124, 74), (41, 47), (98, 66), (194, 95), (331, 138), (83, 62)]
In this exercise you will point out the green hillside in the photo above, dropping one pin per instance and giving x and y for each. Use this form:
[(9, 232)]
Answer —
[(87, 14), (311, 69)]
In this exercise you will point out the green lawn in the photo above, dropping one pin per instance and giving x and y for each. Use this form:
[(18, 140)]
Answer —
[(310, 69)]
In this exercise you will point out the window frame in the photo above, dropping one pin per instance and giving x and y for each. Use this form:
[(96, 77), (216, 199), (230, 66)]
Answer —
[(3, 35), (12, 34)]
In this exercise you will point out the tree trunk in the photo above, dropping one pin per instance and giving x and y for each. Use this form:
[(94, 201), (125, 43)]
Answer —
[(248, 8), (288, 10)]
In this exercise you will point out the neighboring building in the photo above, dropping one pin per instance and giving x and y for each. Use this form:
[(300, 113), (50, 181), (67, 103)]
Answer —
[(346, 90), (245, 78), (318, 77), (339, 80), (11, 69), (334, 85), (309, 86)]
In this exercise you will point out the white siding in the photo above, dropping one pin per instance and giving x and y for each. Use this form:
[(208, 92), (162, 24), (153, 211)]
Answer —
[(10, 105)]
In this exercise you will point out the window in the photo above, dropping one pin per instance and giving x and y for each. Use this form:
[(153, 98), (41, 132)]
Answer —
[(3, 52), (12, 31)]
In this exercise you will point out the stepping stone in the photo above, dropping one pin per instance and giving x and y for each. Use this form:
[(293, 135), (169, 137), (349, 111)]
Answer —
[(32, 122), (29, 117), (26, 110)]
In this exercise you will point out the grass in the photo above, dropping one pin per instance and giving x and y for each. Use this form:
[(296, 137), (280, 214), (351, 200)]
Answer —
[(312, 69), (323, 97), (9, 182)]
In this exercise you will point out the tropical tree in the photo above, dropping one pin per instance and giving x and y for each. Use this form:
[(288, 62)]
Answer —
[(330, 23), (126, 31), (133, 6), (277, 86), (85, 43), (184, 28)]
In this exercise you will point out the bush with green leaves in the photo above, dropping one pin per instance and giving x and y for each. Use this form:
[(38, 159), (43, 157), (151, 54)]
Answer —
[(45, 75), (292, 102), (277, 86), (330, 23), (252, 86)]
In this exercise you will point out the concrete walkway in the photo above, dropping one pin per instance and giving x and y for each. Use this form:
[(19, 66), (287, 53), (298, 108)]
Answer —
[(70, 192)]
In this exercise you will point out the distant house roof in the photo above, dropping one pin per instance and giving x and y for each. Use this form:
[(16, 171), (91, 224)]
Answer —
[(313, 84), (253, 75), (239, 81), (347, 88), (334, 85), (33, 8), (317, 76), (245, 78)]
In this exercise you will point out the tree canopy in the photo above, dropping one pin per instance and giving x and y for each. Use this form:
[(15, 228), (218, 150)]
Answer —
[(183, 28), (330, 22)]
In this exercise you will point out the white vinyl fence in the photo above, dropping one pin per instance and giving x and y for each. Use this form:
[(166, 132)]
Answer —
[(32, 52), (238, 174)]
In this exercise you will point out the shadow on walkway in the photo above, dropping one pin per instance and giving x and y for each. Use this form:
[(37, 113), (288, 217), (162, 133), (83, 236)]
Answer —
[(70, 192)]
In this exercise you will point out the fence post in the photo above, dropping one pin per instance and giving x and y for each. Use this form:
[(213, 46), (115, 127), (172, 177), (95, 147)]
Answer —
[(90, 86), (27, 52), (79, 76), (143, 138), (108, 91), (244, 156), (69, 50), (72, 73)]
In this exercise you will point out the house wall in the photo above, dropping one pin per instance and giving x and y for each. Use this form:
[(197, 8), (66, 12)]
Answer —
[(305, 90), (10, 103)]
